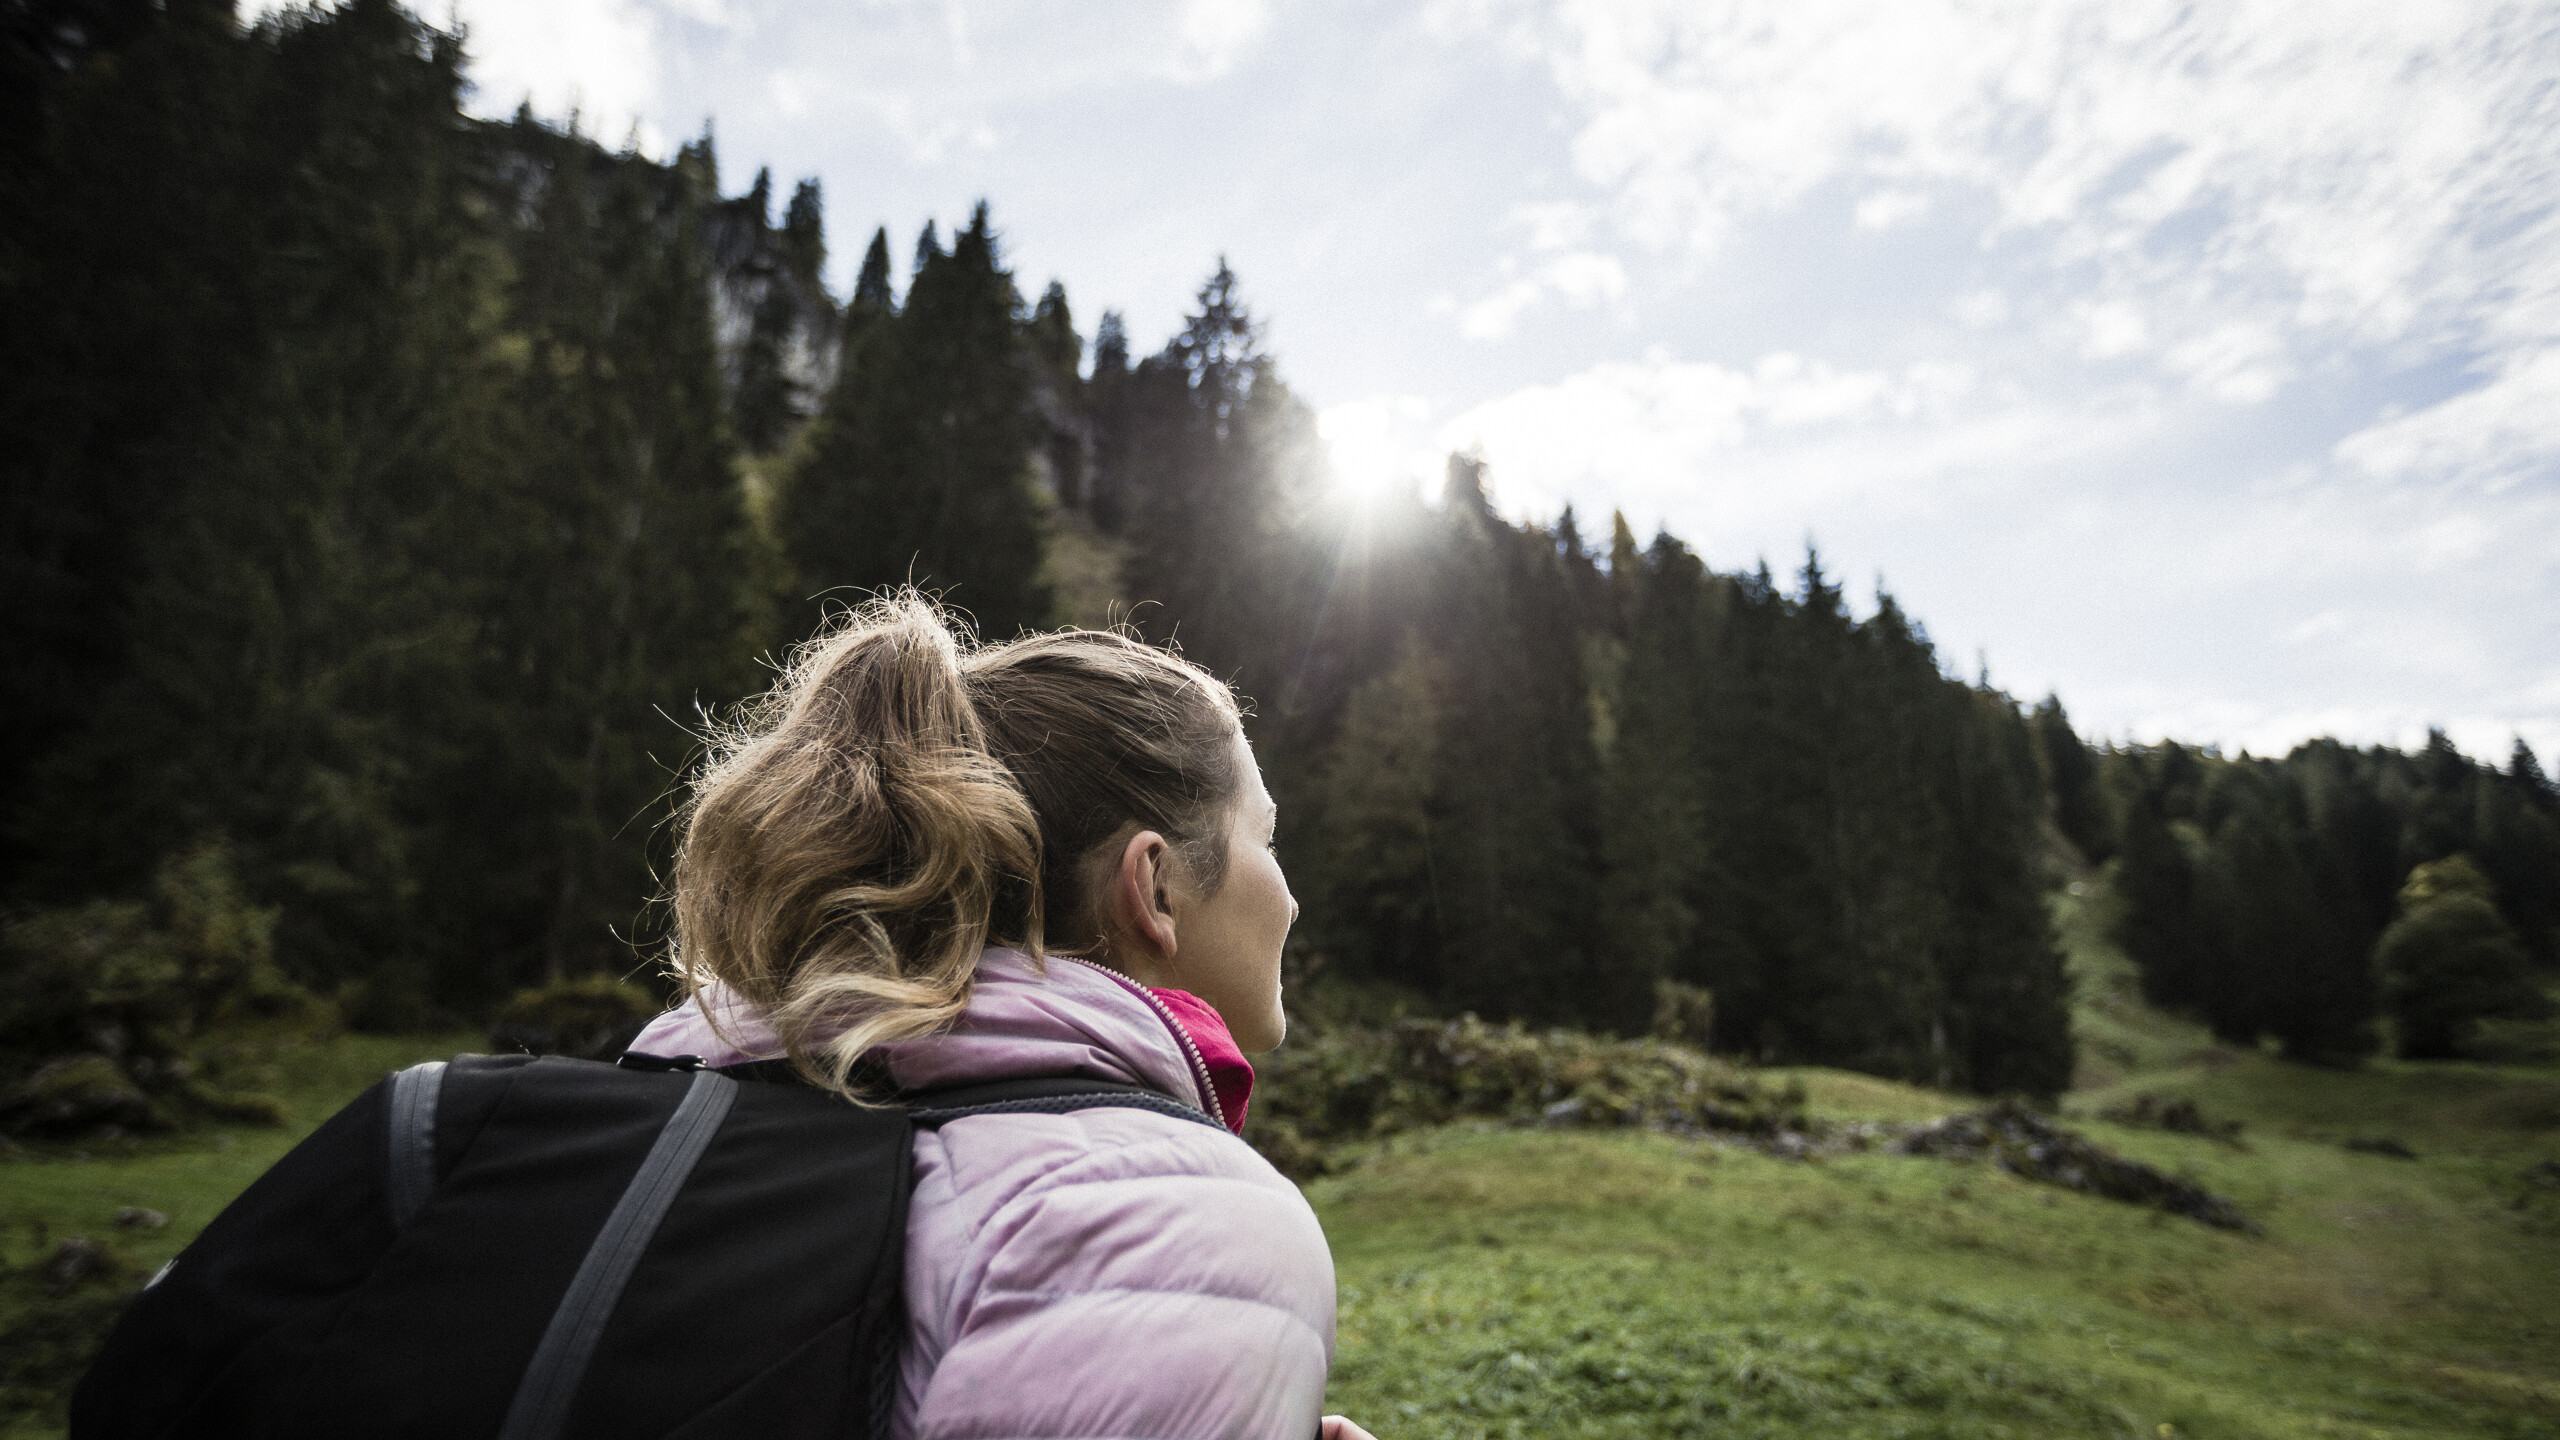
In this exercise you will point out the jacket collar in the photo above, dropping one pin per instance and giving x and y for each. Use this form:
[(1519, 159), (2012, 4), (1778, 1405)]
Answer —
[(1024, 1021)]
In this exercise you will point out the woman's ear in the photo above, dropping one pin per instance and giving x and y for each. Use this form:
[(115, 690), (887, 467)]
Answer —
[(1141, 904)]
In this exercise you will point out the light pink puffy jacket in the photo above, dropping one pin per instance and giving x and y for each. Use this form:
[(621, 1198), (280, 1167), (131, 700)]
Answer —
[(1105, 1273)]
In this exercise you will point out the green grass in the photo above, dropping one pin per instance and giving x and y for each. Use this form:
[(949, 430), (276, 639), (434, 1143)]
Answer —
[(2116, 1035), (49, 1192), (1561, 1284), (1504, 1282)]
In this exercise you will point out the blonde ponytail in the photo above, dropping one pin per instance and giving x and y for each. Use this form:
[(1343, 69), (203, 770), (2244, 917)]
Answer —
[(902, 798)]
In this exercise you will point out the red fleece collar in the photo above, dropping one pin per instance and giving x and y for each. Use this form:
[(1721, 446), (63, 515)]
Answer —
[(1230, 1074)]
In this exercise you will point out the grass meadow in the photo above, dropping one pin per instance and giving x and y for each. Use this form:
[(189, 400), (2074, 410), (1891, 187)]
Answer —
[(1557, 1283)]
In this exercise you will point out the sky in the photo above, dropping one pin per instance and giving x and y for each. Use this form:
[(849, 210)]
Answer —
[(2199, 364)]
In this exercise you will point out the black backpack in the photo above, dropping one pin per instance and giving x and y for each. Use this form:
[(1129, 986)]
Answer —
[(534, 1248)]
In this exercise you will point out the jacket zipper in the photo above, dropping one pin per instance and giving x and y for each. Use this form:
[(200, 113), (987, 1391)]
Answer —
[(1190, 1047)]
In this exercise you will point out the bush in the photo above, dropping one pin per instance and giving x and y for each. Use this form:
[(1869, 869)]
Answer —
[(124, 1013), (594, 1017), (78, 1093), (1355, 1083), (2451, 961), (1683, 1014)]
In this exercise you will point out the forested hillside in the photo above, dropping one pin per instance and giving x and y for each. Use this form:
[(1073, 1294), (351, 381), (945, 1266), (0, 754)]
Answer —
[(2302, 899), (391, 495)]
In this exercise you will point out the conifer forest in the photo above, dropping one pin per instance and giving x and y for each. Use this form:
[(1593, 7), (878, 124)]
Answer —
[(393, 497)]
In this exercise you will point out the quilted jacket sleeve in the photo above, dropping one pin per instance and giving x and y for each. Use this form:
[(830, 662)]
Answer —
[(1112, 1273)]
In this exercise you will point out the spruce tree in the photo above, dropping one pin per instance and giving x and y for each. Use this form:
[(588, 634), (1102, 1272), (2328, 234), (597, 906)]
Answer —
[(1653, 800), (920, 467), (2071, 780), (2005, 1022), (1372, 874), (132, 326), (871, 294), (804, 236), (1515, 842), (619, 601), (1209, 466), (293, 654)]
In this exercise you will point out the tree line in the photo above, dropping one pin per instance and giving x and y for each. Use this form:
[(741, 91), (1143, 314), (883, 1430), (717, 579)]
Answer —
[(2304, 900), (392, 495)]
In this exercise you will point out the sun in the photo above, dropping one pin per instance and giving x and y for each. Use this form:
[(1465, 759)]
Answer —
[(1378, 447)]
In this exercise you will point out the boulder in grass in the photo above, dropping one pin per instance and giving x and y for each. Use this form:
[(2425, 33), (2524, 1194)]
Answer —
[(79, 1260), (2032, 1147), (2180, 1117)]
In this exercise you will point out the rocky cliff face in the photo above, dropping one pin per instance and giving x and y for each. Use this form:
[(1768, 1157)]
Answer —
[(779, 331)]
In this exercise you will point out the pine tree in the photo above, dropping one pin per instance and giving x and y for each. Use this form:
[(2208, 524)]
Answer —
[(617, 599), (920, 470), (871, 295), (1372, 871), (2071, 780), (1654, 782), (131, 326), (292, 658)]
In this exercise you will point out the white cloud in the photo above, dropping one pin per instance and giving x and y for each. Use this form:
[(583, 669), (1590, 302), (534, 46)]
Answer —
[(2491, 436), (1582, 278), (1886, 209), (2114, 327), (2267, 181), (1554, 225), (1661, 436), (1216, 33), (786, 94), (2242, 362), (1981, 309), (598, 59)]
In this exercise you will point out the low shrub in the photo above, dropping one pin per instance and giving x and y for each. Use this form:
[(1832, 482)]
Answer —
[(1353, 1083), (594, 1017), (77, 1093), (127, 1014)]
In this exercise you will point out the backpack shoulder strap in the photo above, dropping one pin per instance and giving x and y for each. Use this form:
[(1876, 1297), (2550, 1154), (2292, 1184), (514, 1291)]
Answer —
[(931, 1109), (409, 1169), (541, 1404)]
